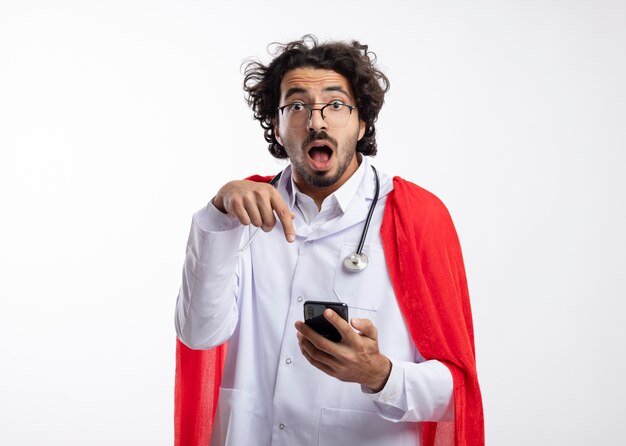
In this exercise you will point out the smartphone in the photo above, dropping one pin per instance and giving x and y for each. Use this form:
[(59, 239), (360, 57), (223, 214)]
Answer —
[(314, 317)]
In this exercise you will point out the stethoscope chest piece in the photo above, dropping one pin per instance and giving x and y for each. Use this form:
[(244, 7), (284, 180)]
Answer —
[(356, 262)]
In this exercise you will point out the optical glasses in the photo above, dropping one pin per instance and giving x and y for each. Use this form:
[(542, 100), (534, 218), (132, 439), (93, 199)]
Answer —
[(297, 115)]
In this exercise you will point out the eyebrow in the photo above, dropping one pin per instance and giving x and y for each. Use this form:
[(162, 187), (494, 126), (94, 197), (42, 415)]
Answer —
[(296, 90)]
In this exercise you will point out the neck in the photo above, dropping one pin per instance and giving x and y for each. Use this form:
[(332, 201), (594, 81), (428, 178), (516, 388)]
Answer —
[(319, 193)]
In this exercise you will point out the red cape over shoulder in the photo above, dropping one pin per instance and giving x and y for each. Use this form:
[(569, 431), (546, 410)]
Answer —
[(426, 268)]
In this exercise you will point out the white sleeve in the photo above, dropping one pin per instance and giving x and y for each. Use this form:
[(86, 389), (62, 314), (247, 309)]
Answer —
[(416, 392), (206, 308)]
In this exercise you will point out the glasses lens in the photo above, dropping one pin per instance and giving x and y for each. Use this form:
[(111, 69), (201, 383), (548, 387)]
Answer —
[(336, 114), (296, 115)]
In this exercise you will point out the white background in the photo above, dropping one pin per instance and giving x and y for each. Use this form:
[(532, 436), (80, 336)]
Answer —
[(119, 119)]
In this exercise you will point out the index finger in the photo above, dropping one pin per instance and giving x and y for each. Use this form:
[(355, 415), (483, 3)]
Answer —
[(284, 215)]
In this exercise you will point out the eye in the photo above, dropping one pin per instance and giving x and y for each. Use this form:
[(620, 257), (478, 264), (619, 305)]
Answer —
[(296, 107), (336, 105)]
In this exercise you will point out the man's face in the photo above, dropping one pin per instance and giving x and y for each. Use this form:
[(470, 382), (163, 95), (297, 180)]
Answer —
[(323, 155)]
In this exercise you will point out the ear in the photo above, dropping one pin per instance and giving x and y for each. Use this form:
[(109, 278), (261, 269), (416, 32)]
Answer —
[(276, 131), (362, 126)]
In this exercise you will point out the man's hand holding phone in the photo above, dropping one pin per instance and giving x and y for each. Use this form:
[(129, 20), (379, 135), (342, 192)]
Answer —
[(356, 358)]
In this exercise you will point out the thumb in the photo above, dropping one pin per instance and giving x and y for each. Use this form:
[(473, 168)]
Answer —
[(365, 327)]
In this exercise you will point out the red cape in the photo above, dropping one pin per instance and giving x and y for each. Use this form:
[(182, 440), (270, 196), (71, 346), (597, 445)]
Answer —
[(426, 268)]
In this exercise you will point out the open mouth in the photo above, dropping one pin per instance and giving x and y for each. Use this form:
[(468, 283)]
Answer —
[(320, 156)]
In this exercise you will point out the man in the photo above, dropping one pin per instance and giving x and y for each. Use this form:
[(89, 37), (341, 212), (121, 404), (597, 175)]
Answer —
[(403, 372)]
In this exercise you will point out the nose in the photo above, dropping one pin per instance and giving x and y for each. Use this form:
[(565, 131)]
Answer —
[(316, 122)]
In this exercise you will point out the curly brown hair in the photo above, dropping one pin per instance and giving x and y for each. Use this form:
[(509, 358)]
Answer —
[(352, 60)]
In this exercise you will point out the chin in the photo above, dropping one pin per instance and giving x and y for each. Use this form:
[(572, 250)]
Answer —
[(322, 179)]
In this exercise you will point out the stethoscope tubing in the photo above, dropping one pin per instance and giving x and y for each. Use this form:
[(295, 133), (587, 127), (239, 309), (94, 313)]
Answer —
[(370, 212)]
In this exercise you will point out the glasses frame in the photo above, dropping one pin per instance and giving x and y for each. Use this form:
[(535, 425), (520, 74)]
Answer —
[(311, 109)]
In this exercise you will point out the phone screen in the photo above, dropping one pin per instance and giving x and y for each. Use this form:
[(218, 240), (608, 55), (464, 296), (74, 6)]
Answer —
[(314, 317)]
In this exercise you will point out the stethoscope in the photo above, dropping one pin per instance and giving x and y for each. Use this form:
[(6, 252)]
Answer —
[(358, 260)]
